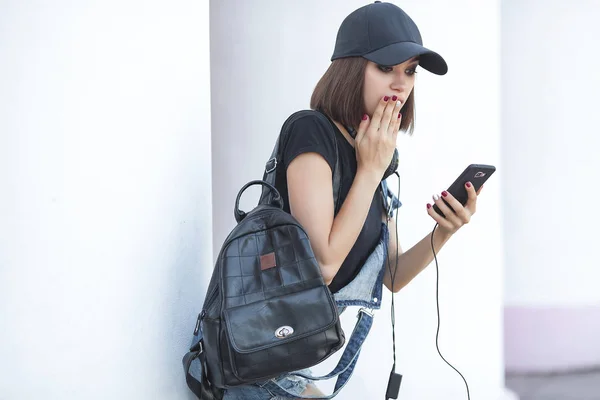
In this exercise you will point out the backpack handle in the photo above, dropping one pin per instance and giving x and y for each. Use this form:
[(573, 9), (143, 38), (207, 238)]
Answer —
[(276, 200)]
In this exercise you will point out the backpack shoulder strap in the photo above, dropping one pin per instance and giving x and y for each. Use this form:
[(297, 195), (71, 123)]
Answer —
[(272, 173)]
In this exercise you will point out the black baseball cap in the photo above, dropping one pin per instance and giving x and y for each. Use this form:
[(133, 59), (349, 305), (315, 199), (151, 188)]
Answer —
[(385, 34)]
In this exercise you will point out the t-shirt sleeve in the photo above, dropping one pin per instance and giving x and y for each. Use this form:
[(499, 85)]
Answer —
[(309, 134)]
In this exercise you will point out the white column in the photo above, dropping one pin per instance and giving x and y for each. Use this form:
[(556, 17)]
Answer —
[(550, 149), (105, 218), (266, 58)]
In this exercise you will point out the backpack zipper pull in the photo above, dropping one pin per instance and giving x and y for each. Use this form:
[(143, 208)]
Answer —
[(200, 318)]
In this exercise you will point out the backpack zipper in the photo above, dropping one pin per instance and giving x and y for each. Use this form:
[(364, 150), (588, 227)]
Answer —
[(200, 318)]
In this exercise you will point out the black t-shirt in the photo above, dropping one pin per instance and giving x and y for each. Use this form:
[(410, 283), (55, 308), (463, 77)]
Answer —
[(310, 134)]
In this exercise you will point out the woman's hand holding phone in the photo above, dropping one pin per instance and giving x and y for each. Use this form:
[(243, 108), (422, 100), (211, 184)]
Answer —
[(457, 216), (455, 206)]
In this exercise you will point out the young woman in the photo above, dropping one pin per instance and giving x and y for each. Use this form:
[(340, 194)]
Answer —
[(368, 89)]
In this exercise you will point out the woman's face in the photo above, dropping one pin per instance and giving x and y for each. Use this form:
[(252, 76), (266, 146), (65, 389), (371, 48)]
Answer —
[(380, 81)]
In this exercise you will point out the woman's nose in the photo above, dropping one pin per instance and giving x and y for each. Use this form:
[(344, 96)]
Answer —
[(400, 82)]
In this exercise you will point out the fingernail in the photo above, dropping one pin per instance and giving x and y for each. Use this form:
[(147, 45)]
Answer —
[(399, 115), (365, 117), (468, 184), (394, 98), (444, 193), (428, 206), (436, 197), (386, 98)]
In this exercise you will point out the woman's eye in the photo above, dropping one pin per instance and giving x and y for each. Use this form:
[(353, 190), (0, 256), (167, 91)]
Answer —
[(386, 69), (383, 68)]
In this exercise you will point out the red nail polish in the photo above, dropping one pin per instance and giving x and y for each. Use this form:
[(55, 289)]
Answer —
[(468, 184), (365, 117), (394, 98), (386, 98), (399, 115), (444, 193), (428, 206)]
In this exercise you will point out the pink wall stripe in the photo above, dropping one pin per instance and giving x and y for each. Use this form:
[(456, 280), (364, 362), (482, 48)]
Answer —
[(542, 339)]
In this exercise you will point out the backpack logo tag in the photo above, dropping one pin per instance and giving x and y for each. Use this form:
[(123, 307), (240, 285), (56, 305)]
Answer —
[(267, 261)]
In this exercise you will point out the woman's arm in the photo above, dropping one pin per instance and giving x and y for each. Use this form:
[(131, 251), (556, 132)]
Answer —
[(310, 188), (411, 262), (414, 260), (310, 192)]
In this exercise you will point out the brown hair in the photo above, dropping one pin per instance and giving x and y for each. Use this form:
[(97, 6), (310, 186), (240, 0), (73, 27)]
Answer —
[(339, 94)]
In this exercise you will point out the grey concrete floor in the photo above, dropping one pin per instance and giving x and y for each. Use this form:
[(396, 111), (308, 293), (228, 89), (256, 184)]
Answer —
[(583, 385)]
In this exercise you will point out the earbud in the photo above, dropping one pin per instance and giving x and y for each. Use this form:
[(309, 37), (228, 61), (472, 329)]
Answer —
[(351, 131)]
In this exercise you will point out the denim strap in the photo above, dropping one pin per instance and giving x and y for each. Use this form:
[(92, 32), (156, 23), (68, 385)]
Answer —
[(345, 366)]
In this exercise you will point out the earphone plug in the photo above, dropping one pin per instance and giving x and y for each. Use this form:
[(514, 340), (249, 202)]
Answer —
[(393, 387)]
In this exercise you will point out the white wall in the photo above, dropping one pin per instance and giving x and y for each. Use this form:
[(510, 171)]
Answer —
[(550, 142), (550, 119), (105, 207), (266, 57)]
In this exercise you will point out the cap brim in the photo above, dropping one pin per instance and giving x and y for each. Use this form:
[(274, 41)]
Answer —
[(398, 53)]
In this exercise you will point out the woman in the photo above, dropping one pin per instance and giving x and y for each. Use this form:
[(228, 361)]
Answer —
[(368, 89)]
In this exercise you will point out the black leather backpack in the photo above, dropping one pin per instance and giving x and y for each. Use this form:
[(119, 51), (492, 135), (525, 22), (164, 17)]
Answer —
[(267, 310)]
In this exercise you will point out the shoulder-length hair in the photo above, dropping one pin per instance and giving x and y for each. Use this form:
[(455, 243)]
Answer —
[(339, 94)]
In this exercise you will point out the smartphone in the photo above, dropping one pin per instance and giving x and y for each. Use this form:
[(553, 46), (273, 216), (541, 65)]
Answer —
[(477, 174)]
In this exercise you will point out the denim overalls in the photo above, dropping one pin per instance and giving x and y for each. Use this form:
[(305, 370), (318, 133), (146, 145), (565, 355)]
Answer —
[(364, 291)]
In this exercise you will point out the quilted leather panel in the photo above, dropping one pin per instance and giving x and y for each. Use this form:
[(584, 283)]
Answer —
[(249, 265), (243, 280), (251, 284), (285, 255), (247, 245), (290, 275), (309, 273), (264, 242), (271, 279), (252, 297)]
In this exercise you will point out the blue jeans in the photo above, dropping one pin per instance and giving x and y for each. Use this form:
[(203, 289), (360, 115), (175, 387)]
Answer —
[(260, 391)]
